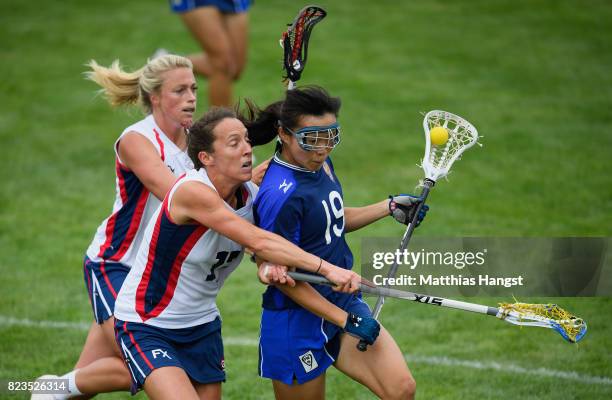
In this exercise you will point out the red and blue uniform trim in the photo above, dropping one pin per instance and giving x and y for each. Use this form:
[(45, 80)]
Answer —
[(170, 245), (122, 226)]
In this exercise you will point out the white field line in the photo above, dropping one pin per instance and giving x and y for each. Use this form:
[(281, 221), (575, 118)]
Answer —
[(509, 368), (84, 326), (6, 321)]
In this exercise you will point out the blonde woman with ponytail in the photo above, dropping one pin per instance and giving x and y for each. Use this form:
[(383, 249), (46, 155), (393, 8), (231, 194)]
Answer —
[(149, 156)]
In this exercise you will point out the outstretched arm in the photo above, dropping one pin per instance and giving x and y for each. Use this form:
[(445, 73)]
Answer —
[(194, 201)]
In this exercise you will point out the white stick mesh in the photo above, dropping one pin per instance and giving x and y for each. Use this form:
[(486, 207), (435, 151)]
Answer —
[(462, 135)]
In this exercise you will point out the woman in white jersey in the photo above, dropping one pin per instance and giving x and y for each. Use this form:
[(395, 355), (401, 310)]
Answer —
[(167, 321), (150, 154)]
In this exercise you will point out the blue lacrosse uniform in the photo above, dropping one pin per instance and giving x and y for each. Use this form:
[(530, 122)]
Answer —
[(306, 208)]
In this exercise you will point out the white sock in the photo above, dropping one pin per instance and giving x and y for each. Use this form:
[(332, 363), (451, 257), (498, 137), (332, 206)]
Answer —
[(73, 390)]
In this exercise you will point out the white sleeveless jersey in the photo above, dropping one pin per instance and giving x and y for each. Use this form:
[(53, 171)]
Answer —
[(180, 269), (119, 235)]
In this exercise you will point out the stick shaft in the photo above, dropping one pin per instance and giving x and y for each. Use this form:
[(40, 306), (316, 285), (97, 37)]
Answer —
[(427, 185), (511, 317), (404, 295)]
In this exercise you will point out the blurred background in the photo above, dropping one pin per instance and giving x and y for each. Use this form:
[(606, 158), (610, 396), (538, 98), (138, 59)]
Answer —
[(532, 76)]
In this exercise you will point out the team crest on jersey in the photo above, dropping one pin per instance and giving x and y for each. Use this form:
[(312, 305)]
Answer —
[(308, 361), (327, 170)]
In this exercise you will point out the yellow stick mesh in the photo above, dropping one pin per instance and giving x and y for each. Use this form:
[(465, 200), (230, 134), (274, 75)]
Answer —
[(557, 316)]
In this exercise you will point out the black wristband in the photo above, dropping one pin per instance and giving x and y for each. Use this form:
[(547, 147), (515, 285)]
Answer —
[(320, 264)]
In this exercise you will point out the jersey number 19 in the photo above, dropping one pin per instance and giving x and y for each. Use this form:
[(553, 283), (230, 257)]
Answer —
[(338, 212)]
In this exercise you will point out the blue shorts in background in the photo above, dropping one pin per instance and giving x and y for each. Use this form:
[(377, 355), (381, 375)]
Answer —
[(225, 6)]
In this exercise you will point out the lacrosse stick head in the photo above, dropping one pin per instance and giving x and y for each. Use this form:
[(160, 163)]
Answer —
[(295, 41), (462, 135), (550, 316)]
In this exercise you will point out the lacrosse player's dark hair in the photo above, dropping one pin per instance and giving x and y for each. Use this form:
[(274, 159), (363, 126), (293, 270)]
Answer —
[(201, 136), (262, 125)]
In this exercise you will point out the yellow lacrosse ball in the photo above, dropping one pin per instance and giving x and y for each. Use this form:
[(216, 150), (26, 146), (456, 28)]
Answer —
[(438, 135)]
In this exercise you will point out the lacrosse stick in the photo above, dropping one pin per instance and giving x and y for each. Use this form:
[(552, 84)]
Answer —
[(550, 316), (295, 42), (436, 164)]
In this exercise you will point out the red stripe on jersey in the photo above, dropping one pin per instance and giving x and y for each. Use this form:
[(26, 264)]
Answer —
[(110, 224), (175, 270), (108, 282), (134, 224), (137, 346), (122, 190), (110, 227), (146, 275), (167, 199), (161, 144)]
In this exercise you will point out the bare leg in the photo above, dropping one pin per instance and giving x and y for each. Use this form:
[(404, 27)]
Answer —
[(207, 26), (101, 367), (169, 383), (96, 345), (102, 376), (237, 27), (381, 368), (209, 391), (311, 390)]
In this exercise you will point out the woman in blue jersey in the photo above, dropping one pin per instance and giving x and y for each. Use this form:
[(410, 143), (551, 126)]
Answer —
[(167, 322), (300, 198)]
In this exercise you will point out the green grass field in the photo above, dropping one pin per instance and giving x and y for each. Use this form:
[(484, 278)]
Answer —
[(533, 76)]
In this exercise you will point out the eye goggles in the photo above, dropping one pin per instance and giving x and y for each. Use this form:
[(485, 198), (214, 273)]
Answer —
[(312, 138)]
